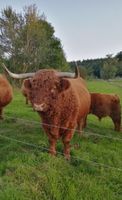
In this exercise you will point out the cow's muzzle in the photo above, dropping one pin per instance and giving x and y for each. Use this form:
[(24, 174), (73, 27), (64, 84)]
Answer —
[(40, 107)]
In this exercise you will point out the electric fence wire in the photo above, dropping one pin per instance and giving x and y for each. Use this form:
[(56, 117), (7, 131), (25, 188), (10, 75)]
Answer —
[(44, 148), (88, 133)]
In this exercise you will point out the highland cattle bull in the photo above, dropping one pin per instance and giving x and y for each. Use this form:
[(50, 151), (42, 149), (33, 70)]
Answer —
[(6, 94), (60, 101)]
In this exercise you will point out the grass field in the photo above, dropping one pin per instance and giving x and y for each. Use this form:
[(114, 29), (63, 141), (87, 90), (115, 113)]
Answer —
[(28, 172)]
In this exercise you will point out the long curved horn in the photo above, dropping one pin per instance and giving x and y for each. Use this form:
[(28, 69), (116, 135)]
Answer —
[(65, 74), (17, 76), (69, 74), (27, 75)]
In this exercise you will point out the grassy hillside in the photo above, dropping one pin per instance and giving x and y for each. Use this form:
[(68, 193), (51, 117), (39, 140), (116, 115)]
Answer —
[(28, 172)]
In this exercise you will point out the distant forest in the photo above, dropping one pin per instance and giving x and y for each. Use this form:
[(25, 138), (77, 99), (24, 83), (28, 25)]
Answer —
[(104, 68)]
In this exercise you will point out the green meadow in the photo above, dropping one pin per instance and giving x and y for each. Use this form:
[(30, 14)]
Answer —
[(28, 172)]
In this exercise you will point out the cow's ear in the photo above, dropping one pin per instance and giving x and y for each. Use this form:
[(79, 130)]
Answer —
[(64, 84), (27, 83)]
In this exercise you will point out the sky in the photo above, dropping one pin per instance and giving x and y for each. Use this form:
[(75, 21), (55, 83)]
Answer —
[(87, 29)]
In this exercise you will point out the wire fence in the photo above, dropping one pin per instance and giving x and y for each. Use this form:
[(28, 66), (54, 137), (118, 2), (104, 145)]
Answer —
[(88, 133), (73, 157), (42, 148)]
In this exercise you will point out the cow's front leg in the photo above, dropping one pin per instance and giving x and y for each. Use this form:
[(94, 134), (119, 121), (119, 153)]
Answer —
[(52, 143), (66, 141), (52, 134)]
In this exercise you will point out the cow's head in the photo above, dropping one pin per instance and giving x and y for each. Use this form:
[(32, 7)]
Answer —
[(44, 86), (44, 89)]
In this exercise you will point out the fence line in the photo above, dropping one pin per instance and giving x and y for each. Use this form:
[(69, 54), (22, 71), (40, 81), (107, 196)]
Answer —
[(76, 158), (54, 126)]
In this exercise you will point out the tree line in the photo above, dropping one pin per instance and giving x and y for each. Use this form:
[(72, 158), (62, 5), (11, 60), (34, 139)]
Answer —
[(104, 68)]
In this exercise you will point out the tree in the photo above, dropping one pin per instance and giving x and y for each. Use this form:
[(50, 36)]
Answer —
[(119, 69), (109, 69), (28, 42), (119, 56)]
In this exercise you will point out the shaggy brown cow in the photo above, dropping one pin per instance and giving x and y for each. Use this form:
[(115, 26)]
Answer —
[(103, 105), (61, 103), (6, 94)]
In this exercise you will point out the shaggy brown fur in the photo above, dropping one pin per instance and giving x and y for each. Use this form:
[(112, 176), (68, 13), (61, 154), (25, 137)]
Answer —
[(61, 103), (6, 94)]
